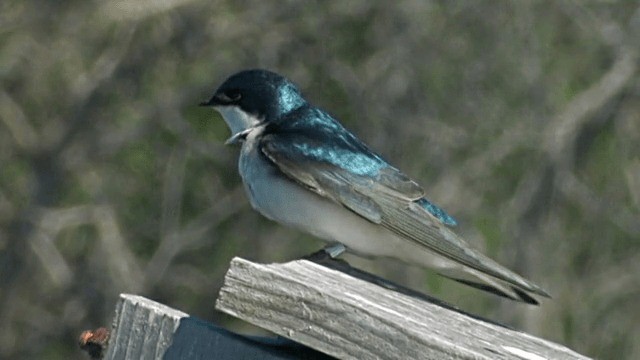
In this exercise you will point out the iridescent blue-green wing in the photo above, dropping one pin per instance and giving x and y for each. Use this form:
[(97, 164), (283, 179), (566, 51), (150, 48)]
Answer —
[(321, 168), (318, 140)]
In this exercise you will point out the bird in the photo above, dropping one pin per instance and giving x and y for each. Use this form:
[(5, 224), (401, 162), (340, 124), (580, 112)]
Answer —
[(302, 168)]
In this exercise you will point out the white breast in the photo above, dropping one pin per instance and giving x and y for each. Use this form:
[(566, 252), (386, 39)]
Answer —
[(236, 119)]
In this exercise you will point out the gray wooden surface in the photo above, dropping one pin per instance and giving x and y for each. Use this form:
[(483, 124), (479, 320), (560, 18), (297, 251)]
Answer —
[(141, 329), (352, 319), (145, 329)]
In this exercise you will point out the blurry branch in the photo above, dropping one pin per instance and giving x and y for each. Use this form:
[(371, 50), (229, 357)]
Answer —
[(564, 129), (104, 67), (165, 109), (591, 203), (633, 180), (116, 137), (613, 294), (122, 10), (11, 114), (54, 264), (171, 118), (590, 23), (560, 137), (618, 278), (561, 134), (518, 136), (87, 82), (118, 259), (7, 209), (524, 195), (192, 235), (172, 192)]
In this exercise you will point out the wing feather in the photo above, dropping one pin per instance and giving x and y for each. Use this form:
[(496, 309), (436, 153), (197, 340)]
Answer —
[(388, 197)]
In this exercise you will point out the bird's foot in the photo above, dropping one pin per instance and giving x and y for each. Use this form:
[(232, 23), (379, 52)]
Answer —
[(335, 250), (328, 255)]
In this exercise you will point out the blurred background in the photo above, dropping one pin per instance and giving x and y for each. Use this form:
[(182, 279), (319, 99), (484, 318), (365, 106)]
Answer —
[(519, 118)]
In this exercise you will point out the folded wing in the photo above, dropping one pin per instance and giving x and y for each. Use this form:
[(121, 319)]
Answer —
[(379, 193)]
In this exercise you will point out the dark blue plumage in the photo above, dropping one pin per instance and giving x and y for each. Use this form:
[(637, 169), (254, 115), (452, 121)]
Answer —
[(321, 138)]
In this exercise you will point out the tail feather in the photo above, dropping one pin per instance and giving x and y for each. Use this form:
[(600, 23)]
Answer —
[(482, 281), (520, 295)]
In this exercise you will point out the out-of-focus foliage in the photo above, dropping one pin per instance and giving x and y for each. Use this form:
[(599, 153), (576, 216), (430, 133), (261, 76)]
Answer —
[(520, 118)]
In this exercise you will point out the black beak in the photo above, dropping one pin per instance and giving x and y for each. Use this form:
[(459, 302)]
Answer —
[(220, 98), (216, 99), (211, 102)]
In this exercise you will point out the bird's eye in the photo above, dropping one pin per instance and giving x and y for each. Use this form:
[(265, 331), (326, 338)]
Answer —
[(230, 96)]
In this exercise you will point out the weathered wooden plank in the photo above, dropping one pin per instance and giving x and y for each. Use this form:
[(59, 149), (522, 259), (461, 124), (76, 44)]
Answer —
[(352, 319), (145, 329), (142, 329)]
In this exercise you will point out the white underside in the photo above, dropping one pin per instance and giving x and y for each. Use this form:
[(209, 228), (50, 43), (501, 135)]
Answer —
[(236, 120)]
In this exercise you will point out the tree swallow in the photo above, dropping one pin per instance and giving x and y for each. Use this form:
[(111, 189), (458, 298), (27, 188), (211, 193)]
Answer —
[(300, 167)]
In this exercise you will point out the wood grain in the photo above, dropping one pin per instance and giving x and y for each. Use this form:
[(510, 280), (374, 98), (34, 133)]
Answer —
[(352, 319)]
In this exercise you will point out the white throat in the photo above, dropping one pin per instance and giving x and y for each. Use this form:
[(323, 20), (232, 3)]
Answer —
[(236, 119)]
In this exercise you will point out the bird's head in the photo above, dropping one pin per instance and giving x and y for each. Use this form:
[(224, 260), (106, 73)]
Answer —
[(252, 97)]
